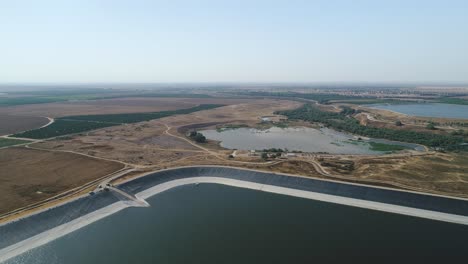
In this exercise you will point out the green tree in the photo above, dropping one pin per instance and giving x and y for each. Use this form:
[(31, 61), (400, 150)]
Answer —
[(200, 138), (431, 126)]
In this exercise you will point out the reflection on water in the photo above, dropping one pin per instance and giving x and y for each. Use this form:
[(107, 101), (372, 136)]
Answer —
[(427, 110), (293, 138), (211, 223)]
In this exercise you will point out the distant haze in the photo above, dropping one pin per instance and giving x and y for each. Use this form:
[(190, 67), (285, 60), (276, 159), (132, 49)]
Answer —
[(234, 41)]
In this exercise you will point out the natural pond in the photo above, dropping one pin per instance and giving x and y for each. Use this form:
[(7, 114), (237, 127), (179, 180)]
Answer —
[(300, 139), (210, 223), (427, 109)]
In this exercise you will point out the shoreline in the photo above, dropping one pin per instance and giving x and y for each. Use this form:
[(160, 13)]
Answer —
[(85, 209), (412, 115), (121, 179)]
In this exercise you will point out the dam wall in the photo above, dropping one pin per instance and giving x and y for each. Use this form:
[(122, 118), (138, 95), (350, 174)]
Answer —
[(15, 235)]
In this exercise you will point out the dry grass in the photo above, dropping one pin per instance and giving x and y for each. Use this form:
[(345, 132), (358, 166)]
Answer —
[(28, 176), (441, 173)]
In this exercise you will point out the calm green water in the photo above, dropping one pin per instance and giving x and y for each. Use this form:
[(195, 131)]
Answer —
[(427, 110), (211, 223), (295, 138)]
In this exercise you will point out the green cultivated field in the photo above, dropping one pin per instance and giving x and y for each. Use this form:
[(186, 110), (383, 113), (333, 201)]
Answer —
[(77, 124), (4, 142), (53, 96), (26, 100), (139, 117)]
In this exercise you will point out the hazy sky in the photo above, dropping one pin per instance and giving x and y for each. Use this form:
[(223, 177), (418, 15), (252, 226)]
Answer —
[(247, 41)]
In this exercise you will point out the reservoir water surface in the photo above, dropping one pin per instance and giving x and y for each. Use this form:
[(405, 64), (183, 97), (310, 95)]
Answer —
[(298, 138), (210, 223), (427, 109)]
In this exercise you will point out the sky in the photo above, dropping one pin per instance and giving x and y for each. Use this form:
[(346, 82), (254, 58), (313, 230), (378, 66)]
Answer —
[(233, 41)]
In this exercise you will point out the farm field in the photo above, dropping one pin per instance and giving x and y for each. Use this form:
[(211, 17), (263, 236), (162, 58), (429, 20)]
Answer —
[(52, 96), (113, 106), (78, 124), (62, 127), (139, 117), (10, 124), (29, 176)]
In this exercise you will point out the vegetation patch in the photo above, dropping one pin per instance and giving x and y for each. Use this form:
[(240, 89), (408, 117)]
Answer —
[(230, 127), (53, 96), (11, 101), (386, 147), (322, 98), (327, 98), (62, 127), (450, 100), (373, 101), (342, 122), (77, 124), (140, 117), (5, 142), (281, 124), (197, 137)]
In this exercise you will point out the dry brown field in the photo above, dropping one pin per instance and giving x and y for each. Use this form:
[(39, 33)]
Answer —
[(10, 124), (28, 176), (437, 172), (113, 106)]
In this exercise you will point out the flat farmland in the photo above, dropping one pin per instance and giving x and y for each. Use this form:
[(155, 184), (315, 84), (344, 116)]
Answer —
[(28, 176), (77, 124), (10, 124), (113, 106)]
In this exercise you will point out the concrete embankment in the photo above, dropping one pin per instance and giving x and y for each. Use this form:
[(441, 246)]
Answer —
[(42, 227)]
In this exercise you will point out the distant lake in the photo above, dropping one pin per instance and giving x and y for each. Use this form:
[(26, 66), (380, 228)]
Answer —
[(427, 109), (211, 223), (295, 138)]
